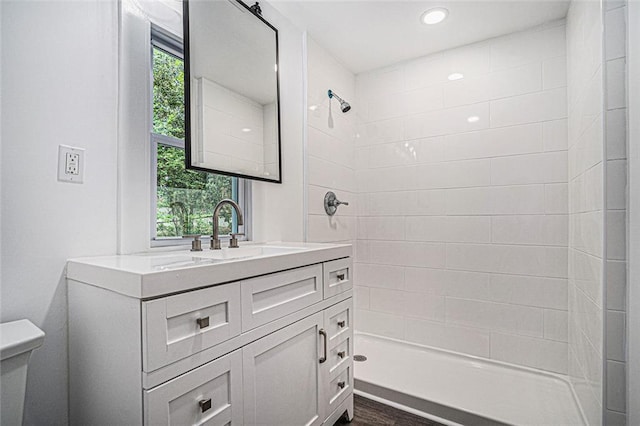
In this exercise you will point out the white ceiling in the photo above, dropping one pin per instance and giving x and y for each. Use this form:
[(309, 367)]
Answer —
[(366, 35)]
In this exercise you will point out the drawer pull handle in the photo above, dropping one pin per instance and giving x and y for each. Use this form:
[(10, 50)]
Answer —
[(203, 322), (342, 384), (341, 354), (341, 324), (323, 358), (205, 404), (340, 277)]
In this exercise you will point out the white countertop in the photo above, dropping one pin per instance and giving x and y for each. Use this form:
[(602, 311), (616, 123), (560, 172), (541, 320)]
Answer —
[(160, 272)]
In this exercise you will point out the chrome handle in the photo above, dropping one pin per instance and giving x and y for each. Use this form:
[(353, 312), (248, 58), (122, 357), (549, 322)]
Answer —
[(341, 354), (340, 277), (196, 244), (331, 203), (341, 385), (203, 322), (341, 323), (323, 358), (205, 404)]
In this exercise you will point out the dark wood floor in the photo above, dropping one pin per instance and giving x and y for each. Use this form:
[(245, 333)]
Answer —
[(371, 413)]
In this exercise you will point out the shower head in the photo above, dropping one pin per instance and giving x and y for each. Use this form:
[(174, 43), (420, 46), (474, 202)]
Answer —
[(344, 105)]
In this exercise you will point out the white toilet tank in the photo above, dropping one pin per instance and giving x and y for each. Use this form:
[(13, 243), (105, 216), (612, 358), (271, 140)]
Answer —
[(17, 340)]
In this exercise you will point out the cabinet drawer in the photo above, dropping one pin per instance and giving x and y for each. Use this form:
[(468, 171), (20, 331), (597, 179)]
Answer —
[(176, 327), (340, 356), (210, 394), (338, 321), (274, 296), (337, 276), (339, 388)]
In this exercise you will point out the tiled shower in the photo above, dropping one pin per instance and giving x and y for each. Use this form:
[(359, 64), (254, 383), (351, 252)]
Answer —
[(487, 211)]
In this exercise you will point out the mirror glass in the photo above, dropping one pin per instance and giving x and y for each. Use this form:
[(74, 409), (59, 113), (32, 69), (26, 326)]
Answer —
[(232, 94)]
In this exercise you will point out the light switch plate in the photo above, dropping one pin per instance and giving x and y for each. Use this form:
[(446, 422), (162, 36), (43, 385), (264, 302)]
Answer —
[(70, 164)]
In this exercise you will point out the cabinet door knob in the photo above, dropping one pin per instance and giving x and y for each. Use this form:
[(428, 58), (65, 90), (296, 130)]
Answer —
[(205, 404), (341, 385), (203, 322), (341, 354), (340, 277), (341, 323)]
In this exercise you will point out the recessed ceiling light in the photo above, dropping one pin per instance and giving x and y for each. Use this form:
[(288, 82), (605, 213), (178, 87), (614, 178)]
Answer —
[(473, 119), (246, 130), (455, 76), (434, 16), (313, 107)]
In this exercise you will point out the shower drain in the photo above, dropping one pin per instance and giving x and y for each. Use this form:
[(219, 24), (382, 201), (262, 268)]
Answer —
[(359, 358)]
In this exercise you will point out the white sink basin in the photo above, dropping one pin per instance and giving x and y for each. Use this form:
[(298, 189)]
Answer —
[(182, 259), (244, 252)]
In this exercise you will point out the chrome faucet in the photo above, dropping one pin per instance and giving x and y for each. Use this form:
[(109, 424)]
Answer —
[(233, 242)]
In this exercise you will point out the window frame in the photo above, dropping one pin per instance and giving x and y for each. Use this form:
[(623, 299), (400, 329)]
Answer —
[(170, 44)]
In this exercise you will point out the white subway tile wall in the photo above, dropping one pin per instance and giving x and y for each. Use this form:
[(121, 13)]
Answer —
[(462, 224), (616, 189), (225, 115), (330, 153)]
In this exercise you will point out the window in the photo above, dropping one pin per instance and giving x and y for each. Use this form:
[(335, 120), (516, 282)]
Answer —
[(182, 200)]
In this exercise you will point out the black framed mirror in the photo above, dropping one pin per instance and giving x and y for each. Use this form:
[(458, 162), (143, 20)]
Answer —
[(232, 90)]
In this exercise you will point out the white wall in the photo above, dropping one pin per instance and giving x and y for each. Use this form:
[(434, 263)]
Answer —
[(330, 147), (586, 205), (279, 209), (59, 86), (462, 226)]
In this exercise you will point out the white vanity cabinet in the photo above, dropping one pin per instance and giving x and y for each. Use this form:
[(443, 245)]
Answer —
[(268, 349)]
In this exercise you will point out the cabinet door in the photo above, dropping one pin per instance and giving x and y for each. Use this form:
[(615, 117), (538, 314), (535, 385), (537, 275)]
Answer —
[(282, 377), (208, 395)]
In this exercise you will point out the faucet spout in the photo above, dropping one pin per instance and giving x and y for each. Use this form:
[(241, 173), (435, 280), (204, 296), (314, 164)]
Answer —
[(215, 240)]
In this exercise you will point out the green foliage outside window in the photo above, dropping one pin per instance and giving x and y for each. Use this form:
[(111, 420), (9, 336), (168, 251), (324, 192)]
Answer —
[(185, 197)]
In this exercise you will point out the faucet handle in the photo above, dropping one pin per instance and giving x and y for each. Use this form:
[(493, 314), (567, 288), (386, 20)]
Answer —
[(233, 242), (215, 243), (196, 244)]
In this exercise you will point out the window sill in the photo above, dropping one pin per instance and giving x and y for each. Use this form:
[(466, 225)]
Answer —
[(185, 243)]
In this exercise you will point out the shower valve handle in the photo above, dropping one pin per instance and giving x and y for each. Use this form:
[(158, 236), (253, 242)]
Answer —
[(331, 203)]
